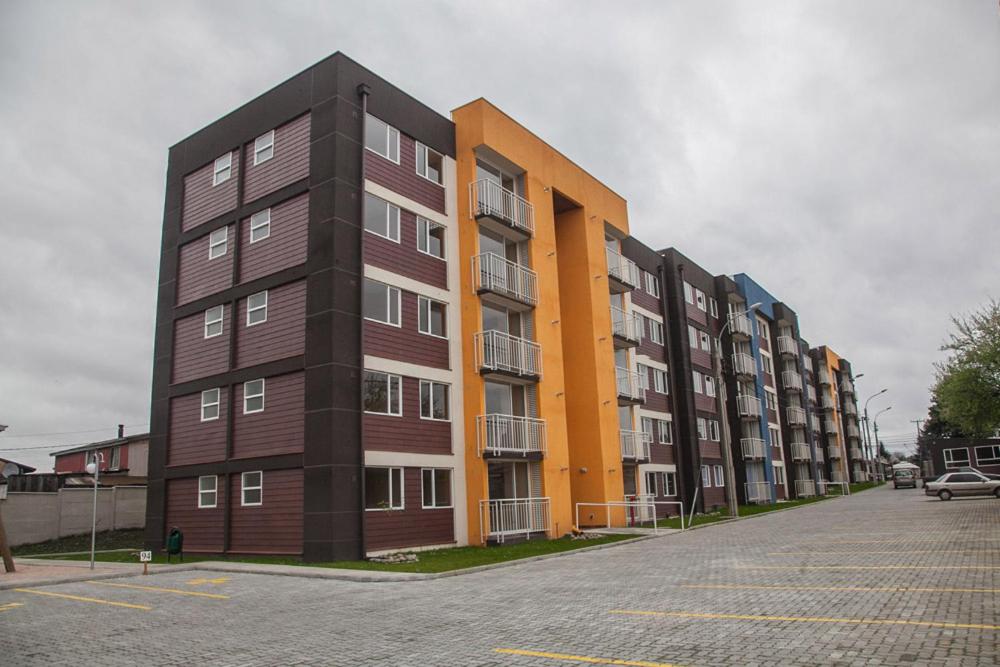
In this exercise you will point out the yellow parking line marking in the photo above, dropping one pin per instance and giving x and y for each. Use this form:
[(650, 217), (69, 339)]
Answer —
[(582, 658), (866, 567), (857, 589), (10, 606), (79, 598), (808, 619), (198, 582), (156, 589), (866, 552)]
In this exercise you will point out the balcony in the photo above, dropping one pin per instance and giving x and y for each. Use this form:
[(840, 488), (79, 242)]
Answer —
[(488, 199), (805, 488), (627, 328), (791, 381), (824, 376), (503, 435), (504, 517), (788, 346), (837, 477), (853, 432), (855, 453), (743, 365), (635, 445), (753, 448), (795, 416), (748, 407), (819, 455), (516, 285), (811, 393), (800, 451), (847, 387), (497, 352), (861, 476), (622, 271), (826, 403), (833, 452), (830, 427), (739, 326), (631, 388), (814, 423), (758, 492), (850, 408)]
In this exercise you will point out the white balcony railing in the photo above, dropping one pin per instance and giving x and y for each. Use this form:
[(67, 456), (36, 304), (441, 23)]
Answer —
[(622, 268), (753, 448), (739, 325), (824, 376), (630, 384), (497, 351), (635, 445), (852, 431), (748, 406), (791, 380), (850, 408), (491, 199), (493, 273), (855, 453), (758, 492), (830, 427), (833, 451), (743, 364), (626, 325), (788, 345), (861, 476), (811, 393), (800, 451), (827, 403), (513, 516), (837, 477), (814, 423), (819, 455), (510, 434), (795, 416), (805, 488), (847, 387)]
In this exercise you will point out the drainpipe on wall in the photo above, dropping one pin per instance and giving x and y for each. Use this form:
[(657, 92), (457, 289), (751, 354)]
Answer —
[(364, 90)]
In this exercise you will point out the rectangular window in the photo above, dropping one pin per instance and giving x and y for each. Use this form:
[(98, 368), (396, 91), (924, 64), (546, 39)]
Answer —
[(702, 428), (713, 430), (210, 404), (663, 426), (430, 238), (116, 458), (956, 458), (382, 393), (699, 299), (430, 164), (652, 284), (688, 292), (213, 321), (719, 479), (433, 400), (208, 492), (647, 427), (436, 488), (652, 485), (660, 381), (989, 454), (218, 242), (381, 302), (643, 371), (252, 489), (381, 218), (693, 337), (432, 317), (709, 386), (669, 484), (767, 364), (260, 225), (713, 307), (263, 148), (656, 332), (257, 308), (253, 396), (696, 380), (775, 436), (705, 341), (779, 474), (706, 477), (381, 138), (763, 330), (223, 169), (384, 489), (772, 399)]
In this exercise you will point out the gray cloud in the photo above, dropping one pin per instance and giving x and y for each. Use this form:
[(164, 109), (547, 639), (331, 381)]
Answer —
[(845, 155)]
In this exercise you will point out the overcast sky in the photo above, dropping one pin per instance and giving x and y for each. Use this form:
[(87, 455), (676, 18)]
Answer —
[(846, 155)]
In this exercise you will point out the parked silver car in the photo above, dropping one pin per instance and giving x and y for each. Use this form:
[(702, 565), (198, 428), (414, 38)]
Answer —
[(962, 484)]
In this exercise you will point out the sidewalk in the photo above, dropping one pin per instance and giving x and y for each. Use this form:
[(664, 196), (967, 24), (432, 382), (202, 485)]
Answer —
[(37, 572)]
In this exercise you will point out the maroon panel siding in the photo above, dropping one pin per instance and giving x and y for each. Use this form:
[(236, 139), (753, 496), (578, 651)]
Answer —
[(290, 162), (202, 528), (196, 356), (648, 347), (642, 299), (274, 526), (403, 257), (412, 526), (75, 462), (282, 335), (696, 314), (703, 402), (406, 343), (656, 401), (191, 440), (407, 433), (403, 178), (202, 200), (769, 380), (284, 247), (710, 448), (280, 428), (197, 275), (702, 359), (661, 453)]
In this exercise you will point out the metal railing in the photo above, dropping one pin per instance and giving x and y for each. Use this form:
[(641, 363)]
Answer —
[(819, 455), (493, 273), (824, 376), (503, 517), (861, 476), (814, 423), (837, 477), (795, 416), (739, 325), (510, 434), (758, 492), (826, 403), (788, 345), (630, 384), (800, 451), (491, 199), (498, 351), (644, 503), (847, 387), (849, 408), (635, 445), (791, 380), (753, 448), (830, 427), (855, 453), (748, 406), (622, 268), (852, 431), (626, 325), (805, 488), (811, 393), (743, 364), (833, 451)]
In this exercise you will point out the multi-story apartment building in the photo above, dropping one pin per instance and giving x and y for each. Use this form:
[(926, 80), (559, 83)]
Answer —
[(838, 407), (859, 463)]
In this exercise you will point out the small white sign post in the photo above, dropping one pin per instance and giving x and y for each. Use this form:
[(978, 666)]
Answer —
[(145, 557)]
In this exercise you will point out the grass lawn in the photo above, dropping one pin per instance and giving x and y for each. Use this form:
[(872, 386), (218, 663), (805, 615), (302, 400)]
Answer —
[(699, 519), (111, 539), (439, 560), (862, 486)]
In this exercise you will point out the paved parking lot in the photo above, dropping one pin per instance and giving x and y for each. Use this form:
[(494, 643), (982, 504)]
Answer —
[(881, 578)]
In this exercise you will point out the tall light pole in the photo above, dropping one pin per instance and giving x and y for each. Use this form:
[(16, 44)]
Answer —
[(868, 435), (727, 457), (94, 468), (5, 555), (875, 424)]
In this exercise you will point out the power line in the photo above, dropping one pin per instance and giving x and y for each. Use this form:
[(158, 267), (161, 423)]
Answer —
[(95, 430)]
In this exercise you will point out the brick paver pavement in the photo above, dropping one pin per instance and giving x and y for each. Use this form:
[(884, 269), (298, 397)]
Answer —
[(883, 577)]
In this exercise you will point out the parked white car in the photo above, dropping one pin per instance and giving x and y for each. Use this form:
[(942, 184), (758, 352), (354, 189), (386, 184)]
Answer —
[(962, 484)]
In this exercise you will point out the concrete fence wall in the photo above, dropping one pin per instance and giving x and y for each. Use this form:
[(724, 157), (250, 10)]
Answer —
[(38, 517)]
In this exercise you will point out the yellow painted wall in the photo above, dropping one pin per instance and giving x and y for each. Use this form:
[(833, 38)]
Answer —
[(832, 361)]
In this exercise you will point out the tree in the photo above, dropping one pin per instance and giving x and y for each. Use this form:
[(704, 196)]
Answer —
[(968, 382)]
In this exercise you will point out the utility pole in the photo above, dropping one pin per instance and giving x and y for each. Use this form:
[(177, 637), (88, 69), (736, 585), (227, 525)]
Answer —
[(919, 448), (5, 554)]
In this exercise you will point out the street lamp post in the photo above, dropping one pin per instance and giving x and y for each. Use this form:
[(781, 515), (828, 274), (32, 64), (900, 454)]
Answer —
[(727, 458), (875, 424), (5, 555), (94, 468), (872, 450)]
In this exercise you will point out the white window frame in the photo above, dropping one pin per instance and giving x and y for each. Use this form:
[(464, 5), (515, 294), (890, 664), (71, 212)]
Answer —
[(693, 337), (702, 426), (949, 461), (210, 320), (704, 341), (260, 219), (664, 427), (713, 307), (709, 385), (643, 371), (766, 364), (392, 489), (654, 487), (214, 491), (393, 303), (763, 330), (451, 493), (392, 139), (669, 484), (251, 309), (424, 227), (720, 479), (244, 487), (259, 149), (660, 381), (426, 150), (990, 459), (700, 300), (223, 165), (393, 219), (656, 331), (688, 292), (214, 243), (714, 431), (247, 396), (697, 383), (434, 387), (116, 458), (424, 303), (646, 426), (392, 381), (779, 477), (216, 402), (706, 477), (652, 284)]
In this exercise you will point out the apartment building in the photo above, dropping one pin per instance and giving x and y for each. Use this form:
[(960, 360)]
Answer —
[(838, 406), (858, 460)]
